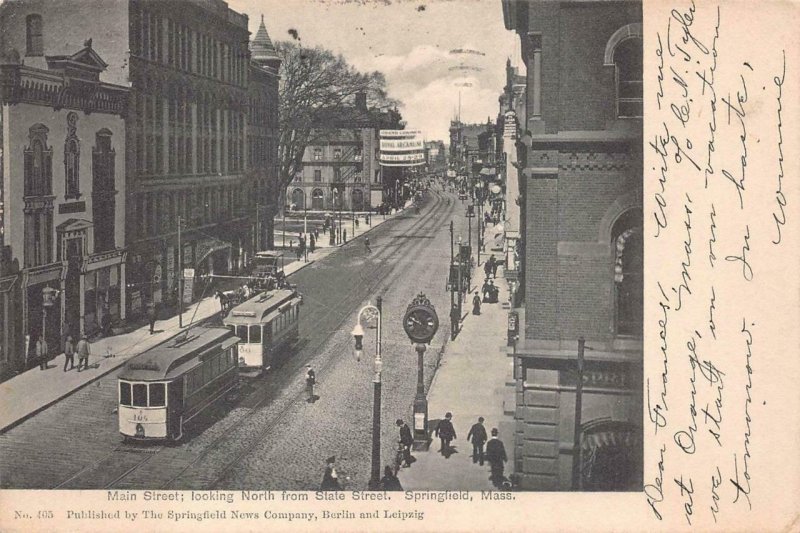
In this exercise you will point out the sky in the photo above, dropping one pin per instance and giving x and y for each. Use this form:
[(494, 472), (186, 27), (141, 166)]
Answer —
[(429, 50)]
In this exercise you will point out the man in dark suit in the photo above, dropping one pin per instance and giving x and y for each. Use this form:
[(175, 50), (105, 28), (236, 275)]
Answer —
[(406, 440), (446, 433), (496, 455), (477, 436), (330, 479)]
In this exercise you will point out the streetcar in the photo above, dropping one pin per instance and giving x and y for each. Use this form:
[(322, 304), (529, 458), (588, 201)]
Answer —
[(166, 386), (267, 324), (267, 270)]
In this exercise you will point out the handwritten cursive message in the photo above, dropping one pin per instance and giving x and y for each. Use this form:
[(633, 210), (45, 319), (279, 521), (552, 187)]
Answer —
[(718, 212)]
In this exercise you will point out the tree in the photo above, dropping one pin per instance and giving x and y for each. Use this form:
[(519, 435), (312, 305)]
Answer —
[(316, 88)]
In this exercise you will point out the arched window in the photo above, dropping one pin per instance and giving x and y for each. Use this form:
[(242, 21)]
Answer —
[(72, 152), (628, 65), (627, 243), (317, 199), (33, 36), (299, 198), (38, 163)]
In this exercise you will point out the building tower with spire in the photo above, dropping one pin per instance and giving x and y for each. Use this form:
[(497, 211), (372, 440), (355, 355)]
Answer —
[(263, 134)]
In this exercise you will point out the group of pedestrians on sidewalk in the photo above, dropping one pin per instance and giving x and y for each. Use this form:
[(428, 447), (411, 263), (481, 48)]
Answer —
[(495, 452), (82, 349)]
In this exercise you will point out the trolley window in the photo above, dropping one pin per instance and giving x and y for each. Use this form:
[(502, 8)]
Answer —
[(124, 393), (255, 334), (241, 332), (157, 395), (140, 395)]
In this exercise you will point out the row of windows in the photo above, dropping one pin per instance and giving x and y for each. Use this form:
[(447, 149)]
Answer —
[(142, 394), (338, 175), (161, 39), (213, 367), (38, 162), (253, 334), (215, 126), (355, 155), (157, 213)]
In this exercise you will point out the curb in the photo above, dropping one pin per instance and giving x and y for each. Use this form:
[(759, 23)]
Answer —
[(105, 372)]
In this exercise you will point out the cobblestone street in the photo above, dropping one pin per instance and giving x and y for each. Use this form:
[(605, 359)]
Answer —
[(272, 438)]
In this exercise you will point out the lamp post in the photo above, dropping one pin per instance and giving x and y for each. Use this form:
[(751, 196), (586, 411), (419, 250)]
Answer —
[(358, 335)]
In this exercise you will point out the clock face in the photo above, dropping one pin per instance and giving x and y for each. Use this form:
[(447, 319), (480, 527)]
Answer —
[(420, 324)]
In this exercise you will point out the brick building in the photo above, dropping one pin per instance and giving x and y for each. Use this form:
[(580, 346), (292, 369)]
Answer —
[(340, 167), (62, 164), (580, 165), (200, 139)]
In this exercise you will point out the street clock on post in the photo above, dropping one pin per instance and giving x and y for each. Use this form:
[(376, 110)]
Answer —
[(420, 321)]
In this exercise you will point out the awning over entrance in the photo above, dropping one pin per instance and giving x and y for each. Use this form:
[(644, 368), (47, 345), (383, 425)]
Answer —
[(207, 247)]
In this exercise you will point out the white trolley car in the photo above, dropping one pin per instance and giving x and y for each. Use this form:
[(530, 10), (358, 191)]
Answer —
[(266, 324), (166, 386)]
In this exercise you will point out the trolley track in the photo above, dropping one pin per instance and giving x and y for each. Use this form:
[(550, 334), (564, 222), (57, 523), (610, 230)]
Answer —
[(115, 468)]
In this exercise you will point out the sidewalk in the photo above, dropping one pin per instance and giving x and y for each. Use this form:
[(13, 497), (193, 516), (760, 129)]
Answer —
[(35, 390), (470, 382), (347, 225)]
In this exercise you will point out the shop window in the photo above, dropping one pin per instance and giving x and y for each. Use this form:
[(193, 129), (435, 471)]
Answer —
[(628, 272), (34, 42)]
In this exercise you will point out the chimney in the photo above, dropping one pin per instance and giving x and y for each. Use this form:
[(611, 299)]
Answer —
[(361, 101)]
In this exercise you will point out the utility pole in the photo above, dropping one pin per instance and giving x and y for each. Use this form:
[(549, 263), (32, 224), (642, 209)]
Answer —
[(576, 442), (450, 267), (180, 274)]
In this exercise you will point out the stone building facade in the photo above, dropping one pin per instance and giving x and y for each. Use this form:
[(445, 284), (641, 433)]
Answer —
[(63, 183), (341, 168), (579, 402)]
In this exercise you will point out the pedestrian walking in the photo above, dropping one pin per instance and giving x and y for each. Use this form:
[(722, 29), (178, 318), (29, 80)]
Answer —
[(493, 292), (311, 380), (366, 245), (151, 316), (41, 353), (105, 322), (389, 481), (496, 455), (477, 436), (356, 222), (455, 317), (330, 479), (487, 267), (446, 433), (476, 304), (406, 440), (69, 353), (485, 290), (83, 353), (495, 264), (312, 241)]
